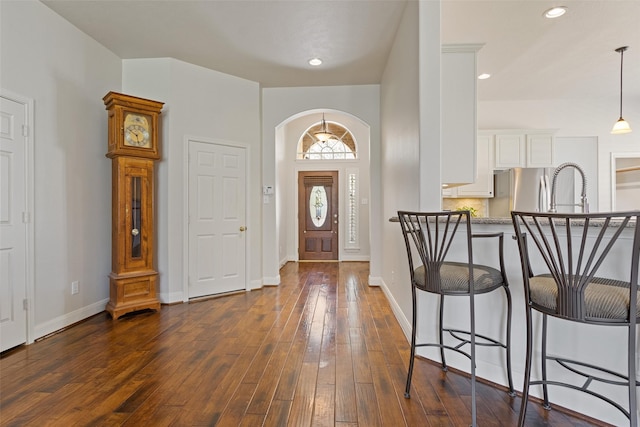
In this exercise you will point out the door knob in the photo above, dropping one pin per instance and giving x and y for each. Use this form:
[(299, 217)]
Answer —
[(243, 228)]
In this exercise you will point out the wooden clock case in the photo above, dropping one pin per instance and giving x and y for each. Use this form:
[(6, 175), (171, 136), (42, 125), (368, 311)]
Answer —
[(133, 278)]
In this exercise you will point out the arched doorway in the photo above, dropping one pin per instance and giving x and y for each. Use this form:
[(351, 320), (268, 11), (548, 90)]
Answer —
[(297, 151)]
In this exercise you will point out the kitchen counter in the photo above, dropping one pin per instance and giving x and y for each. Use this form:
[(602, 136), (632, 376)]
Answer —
[(507, 221)]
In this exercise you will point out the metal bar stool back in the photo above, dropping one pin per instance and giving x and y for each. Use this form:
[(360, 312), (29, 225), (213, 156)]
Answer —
[(574, 248), (428, 238)]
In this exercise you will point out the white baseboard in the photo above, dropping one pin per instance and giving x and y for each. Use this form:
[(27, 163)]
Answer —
[(255, 284), (375, 281), (397, 311), (68, 319), (356, 258), (171, 297), (271, 281)]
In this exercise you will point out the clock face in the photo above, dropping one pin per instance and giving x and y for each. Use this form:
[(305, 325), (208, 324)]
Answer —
[(137, 130)]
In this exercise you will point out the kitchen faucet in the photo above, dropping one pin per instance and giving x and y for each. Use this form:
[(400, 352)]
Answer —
[(583, 197)]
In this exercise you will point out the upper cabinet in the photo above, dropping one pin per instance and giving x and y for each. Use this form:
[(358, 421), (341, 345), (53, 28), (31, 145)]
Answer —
[(483, 186), (527, 149), (458, 109), (539, 151), (510, 151)]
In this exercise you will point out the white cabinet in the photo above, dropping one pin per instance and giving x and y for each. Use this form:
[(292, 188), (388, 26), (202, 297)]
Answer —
[(458, 108), (483, 186), (539, 151), (510, 151), (527, 150)]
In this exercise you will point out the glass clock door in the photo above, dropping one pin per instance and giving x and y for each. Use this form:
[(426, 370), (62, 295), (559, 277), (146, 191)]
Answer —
[(136, 223)]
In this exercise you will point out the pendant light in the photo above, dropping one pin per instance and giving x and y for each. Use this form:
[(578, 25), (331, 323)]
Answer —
[(621, 126), (323, 135)]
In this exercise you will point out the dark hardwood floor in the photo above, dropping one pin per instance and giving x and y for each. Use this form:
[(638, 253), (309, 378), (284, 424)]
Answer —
[(322, 349)]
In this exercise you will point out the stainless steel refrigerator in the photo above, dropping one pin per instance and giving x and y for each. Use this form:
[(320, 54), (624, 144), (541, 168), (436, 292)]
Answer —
[(529, 189)]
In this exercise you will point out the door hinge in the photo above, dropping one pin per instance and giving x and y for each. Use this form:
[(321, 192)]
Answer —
[(25, 130), (25, 304), (26, 217)]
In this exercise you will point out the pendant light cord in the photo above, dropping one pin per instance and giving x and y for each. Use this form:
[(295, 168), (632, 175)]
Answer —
[(621, 58)]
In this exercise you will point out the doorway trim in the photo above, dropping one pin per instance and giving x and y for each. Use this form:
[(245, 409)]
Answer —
[(319, 167), (185, 208), (333, 215), (29, 176), (615, 156)]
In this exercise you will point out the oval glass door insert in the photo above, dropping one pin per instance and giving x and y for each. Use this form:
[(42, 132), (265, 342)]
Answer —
[(318, 205)]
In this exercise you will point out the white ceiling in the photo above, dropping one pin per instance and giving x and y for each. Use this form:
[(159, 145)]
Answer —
[(270, 41)]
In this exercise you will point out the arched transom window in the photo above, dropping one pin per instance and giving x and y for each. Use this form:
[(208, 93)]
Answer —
[(340, 146)]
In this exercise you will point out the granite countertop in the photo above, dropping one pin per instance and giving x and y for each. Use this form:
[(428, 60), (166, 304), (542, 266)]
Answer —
[(487, 220), (484, 220), (507, 221)]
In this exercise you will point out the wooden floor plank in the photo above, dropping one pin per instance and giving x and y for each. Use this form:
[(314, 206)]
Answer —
[(345, 410), (386, 394), (301, 412), (321, 349), (266, 387), (368, 409), (323, 409), (278, 414), (235, 411)]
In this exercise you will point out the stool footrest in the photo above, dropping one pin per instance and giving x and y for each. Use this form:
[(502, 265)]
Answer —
[(575, 367), (488, 341)]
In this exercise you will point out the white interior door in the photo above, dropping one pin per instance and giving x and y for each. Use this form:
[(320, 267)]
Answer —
[(217, 186), (13, 232)]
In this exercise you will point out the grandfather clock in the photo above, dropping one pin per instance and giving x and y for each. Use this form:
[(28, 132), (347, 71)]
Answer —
[(133, 149)]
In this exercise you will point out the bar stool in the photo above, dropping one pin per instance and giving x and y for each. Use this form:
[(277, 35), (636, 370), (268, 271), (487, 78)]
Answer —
[(573, 247), (429, 235)]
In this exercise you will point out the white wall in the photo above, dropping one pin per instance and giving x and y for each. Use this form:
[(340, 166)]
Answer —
[(400, 157), (572, 118), (66, 73), (204, 104), (279, 105), (410, 117), (584, 152), (287, 184)]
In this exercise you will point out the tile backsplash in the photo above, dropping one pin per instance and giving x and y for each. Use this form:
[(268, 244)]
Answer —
[(480, 205)]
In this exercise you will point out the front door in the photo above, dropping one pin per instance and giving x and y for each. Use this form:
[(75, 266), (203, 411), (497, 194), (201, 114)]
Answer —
[(217, 177), (318, 216), (13, 217)]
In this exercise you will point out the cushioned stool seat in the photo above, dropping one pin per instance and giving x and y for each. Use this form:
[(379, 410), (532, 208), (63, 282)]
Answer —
[(454, 278), (603, 298)]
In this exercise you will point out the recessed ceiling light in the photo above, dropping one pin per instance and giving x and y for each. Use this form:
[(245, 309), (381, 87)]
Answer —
[(555, 12), (315, 61), (484, 76)]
